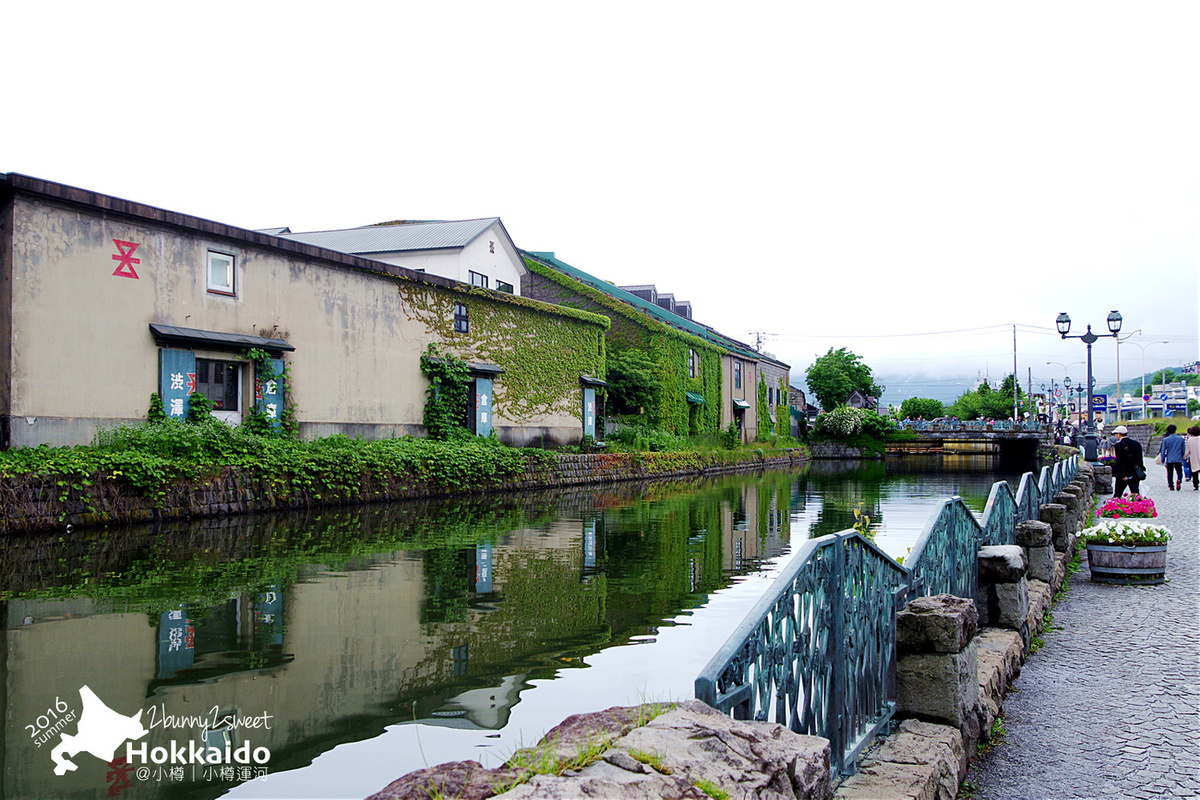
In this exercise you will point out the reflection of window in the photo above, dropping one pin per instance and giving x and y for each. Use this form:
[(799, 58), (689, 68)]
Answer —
[(503, 286), (220, 382), (220, 272), (461, 655), (462, 324), (478, 279)]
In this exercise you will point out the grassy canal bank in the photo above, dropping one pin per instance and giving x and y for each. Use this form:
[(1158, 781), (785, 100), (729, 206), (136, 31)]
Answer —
[(176, 470)]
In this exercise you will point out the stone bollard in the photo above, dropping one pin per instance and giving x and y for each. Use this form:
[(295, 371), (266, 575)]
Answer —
[(1103, 482), (1071, 500), (1035, 538), (937, 673), (1003, 593), (1056, 515)]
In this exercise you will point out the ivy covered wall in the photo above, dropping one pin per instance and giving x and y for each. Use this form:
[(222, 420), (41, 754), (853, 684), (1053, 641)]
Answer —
[(668, 347), (542, 350)]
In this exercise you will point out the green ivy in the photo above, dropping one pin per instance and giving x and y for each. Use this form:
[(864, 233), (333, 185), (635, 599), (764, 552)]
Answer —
[(157, 412), (538, 346), (764, 411), (446, 398), (667, 346)]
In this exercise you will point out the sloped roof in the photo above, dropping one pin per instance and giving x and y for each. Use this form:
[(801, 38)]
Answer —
[(397, 238), (657, 312)]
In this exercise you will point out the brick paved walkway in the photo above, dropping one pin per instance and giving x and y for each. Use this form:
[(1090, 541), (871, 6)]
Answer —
[(1110, 706)]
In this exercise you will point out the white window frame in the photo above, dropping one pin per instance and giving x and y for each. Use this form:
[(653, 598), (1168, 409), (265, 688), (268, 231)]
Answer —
[(229, 261)]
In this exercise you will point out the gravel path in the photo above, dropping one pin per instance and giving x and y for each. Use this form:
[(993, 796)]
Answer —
[(1110, 706)]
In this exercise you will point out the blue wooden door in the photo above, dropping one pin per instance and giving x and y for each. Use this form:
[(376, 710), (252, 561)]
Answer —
[(589, 411), (483, 406)]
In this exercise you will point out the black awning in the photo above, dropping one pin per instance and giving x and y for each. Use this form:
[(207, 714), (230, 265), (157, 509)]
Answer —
[(588, 380), (215, 340)]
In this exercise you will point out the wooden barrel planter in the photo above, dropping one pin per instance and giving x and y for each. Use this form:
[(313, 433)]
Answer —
[(1139, 565)]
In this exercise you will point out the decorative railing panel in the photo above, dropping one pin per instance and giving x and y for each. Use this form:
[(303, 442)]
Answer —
[(944, 558), (818, 652)]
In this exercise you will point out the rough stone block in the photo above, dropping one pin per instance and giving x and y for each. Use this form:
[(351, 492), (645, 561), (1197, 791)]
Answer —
[(942, 624), (937, 748), (890, 782), (1003, 563), (938, 686), (1033, 533), (1005, 605), (748, 759), (1041, 600), (1041, 562)]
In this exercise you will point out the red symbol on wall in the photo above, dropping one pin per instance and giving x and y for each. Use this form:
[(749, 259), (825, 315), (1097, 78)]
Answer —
[(125, 268), (191, 382)]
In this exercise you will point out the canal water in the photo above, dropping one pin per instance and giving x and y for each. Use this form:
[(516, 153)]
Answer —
[(325, 655)]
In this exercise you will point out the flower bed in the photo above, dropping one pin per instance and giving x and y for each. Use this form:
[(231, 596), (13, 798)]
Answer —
[(1135, 505), (1126, 533)]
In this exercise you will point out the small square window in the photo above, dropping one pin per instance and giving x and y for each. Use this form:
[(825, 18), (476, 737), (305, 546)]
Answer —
[(479, 280), (503, 286), (462, 323), (220, 273)]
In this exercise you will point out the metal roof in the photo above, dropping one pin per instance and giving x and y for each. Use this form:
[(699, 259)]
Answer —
[(397, 238)]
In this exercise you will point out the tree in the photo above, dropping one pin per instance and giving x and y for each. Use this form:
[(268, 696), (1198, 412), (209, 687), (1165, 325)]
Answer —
[(986, 402), (633, 382), (923, 407), (833, 376)]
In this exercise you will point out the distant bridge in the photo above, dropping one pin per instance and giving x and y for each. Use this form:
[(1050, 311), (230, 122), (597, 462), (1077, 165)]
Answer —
[(974, 437)]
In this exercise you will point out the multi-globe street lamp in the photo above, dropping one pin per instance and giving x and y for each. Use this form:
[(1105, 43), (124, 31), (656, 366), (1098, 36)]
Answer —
[(1066, 382), (1063, 323)]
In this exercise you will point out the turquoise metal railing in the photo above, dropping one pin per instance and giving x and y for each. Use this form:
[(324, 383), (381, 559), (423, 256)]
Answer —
[(817, 653), (951, 426)]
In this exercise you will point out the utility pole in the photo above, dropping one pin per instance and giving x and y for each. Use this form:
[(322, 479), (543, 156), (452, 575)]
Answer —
[(1016, 386)]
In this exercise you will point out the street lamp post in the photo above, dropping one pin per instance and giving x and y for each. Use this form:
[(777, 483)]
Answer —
[(1063, 323), (1067, 381)]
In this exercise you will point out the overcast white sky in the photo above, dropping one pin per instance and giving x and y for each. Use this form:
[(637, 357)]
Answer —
[(835, 174)]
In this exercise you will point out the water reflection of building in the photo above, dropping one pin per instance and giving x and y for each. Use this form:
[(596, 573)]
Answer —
[(449, 635), (358, 657)]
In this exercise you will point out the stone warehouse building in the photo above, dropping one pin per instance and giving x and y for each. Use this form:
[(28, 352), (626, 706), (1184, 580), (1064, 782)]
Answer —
[(709, 381), (104, 301)]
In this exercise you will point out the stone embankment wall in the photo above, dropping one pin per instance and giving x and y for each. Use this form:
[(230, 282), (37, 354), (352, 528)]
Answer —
[(41, 503)]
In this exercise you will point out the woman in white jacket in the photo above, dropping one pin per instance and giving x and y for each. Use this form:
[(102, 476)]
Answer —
[(1191, 454)]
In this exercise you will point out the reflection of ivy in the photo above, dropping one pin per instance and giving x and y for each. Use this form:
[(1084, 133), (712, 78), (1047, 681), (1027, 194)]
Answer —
[(541, 348)]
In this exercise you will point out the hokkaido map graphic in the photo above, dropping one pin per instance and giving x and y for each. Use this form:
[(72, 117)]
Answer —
[(101, 731)]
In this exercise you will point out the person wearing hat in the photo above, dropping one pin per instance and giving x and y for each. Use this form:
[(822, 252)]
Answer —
[(1127, 469)]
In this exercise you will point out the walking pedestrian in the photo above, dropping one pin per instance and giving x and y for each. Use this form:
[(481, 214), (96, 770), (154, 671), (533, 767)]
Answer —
[(1191, 449), (1170, 451), (1127, 469)]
